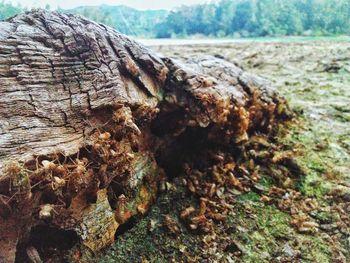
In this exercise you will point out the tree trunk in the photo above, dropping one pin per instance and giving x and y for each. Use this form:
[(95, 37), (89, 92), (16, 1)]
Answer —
[(88, 118)]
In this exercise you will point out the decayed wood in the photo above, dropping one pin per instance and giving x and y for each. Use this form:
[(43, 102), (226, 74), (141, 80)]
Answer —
[(84, 109), (56, 70)]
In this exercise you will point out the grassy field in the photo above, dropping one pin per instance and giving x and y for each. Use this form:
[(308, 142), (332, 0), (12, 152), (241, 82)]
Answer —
[(304, 218)]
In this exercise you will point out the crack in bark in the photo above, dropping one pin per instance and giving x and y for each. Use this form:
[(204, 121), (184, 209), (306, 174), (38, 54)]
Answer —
[(82, 93)]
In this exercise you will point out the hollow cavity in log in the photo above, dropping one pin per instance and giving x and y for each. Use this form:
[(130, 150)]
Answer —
[(91, 123)]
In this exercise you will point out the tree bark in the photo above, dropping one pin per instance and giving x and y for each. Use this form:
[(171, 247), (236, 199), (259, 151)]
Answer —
[(84, 113)]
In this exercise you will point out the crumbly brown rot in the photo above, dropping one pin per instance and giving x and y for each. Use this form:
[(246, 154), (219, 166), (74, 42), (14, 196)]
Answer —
[(115, 178), (230, 203), (94, 161), (110, 180), (298, 210)]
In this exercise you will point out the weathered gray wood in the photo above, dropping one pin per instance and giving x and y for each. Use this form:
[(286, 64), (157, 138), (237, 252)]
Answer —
[(55, 70), (69, 86)]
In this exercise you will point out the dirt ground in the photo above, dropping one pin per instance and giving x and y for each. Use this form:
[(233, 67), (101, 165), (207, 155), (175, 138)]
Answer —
[(295, 212)]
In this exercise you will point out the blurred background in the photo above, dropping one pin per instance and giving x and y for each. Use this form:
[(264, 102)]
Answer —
[(205, 19)]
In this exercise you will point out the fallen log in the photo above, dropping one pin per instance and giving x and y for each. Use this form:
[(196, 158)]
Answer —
[(91, 123)]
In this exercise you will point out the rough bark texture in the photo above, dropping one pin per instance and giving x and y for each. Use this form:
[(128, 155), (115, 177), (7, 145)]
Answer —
[(88, 121)]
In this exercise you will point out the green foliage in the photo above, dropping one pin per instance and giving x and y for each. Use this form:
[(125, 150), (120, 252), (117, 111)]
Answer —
[(252, 18), (7, 10), (126, 20), (224, 18)]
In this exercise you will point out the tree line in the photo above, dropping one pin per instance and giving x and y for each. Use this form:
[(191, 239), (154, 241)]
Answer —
[(221, 18), (253, 18), (140, 23), (7, 10)]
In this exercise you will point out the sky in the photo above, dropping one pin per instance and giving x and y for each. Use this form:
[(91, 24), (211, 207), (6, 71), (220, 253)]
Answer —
[(138, 4)]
